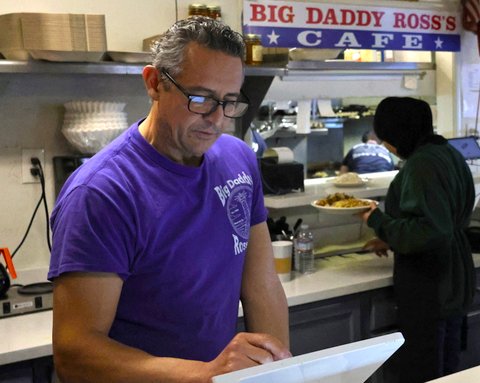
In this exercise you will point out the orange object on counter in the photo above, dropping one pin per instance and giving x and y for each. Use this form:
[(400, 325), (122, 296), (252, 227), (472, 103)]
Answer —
[(8, 261), (283, 265)]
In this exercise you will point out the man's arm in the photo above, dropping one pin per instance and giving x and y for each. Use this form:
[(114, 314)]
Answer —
[(263, 299), (83, 312), (346, 162)]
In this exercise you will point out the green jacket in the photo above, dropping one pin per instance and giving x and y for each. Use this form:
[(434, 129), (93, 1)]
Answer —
[(427, 209)]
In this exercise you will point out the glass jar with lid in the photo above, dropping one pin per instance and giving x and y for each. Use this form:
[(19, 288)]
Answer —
[(254, 50), (197, 10), (215, 12)]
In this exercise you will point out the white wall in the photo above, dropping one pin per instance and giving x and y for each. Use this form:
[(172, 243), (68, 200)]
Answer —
[(469, 83), (446, 108), (469, 90)]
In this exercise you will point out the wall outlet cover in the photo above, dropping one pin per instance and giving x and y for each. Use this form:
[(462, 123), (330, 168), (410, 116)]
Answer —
[(27, 154)]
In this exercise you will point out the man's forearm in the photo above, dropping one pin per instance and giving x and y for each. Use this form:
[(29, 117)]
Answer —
[(105, 360), (268, 313)]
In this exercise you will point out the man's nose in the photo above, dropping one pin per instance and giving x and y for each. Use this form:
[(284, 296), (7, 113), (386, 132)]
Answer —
[(216, 117)]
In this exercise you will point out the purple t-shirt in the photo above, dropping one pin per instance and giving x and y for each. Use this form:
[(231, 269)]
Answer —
[(176, 235)]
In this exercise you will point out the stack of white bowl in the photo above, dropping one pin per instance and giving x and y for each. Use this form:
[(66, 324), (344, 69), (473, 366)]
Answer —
[(90, 125)]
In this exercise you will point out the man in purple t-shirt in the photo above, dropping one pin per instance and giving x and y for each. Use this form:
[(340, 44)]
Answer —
[(158, 237)]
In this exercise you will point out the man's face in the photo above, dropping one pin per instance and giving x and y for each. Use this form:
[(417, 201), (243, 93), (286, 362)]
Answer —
[(185, 136)]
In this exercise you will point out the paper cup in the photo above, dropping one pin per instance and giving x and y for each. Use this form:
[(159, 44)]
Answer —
[(282, 253)]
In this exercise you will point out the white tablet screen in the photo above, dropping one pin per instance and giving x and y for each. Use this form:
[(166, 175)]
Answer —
[(349, 363)]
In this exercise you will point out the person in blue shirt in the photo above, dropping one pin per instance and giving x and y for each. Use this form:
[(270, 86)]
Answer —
[(258, 143), (368, 157)]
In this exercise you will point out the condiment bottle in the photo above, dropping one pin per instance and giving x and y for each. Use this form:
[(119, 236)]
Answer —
[(214, 12), (254, 50), (197, 10)]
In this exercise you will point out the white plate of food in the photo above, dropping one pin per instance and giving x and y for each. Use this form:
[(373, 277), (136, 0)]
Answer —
[(349, 180), (341, 203)]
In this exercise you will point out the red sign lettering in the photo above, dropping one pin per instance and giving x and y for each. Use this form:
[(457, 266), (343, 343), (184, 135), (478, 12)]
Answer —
[(283, 14), (344, 17), (258, 12)]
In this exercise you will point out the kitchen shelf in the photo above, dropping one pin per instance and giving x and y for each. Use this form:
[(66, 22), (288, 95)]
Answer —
[(46, 67), (357, 65), (105, 67), (310, 69), (292, 133), (294, 68)]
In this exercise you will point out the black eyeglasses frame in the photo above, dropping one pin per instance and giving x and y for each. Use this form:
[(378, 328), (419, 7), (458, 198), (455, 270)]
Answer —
[(224, 103)]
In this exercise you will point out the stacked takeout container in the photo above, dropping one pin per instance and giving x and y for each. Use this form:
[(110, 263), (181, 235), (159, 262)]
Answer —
[(90, 125), (53, 36)]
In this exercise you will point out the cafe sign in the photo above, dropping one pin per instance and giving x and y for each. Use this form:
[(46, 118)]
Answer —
[(324, 25)]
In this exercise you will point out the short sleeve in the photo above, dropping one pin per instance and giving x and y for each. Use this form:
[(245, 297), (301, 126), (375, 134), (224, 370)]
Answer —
[(92, 231)]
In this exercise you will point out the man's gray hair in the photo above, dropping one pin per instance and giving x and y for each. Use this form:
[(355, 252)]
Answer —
[(168, 51)]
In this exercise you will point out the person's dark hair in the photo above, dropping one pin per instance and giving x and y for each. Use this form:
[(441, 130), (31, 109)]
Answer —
[(168, 51), (368, 136), (365, 136), (403, 122)]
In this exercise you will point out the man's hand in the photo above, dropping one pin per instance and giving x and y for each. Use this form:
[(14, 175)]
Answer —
[(248, 350), (377, 246)]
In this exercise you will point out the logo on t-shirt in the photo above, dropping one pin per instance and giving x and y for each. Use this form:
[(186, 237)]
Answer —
[(236, 196), (238, 210)]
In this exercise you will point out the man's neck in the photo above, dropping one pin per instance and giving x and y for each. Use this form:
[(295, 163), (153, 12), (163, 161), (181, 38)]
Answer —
[(147, 132)]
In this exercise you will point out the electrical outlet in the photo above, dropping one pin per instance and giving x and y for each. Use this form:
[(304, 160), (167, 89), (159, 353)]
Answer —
[(27, 154)]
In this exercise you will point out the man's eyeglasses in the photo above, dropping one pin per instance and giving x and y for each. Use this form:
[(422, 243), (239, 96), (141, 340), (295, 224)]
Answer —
[(206, 105)]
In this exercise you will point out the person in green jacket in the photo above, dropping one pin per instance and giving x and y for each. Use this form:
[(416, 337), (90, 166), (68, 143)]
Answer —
[(427, 209)]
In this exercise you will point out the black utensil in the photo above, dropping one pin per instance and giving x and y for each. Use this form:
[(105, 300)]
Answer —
[(296, 226)]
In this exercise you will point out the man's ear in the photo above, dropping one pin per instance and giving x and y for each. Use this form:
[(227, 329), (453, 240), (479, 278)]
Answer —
[(151, 81)]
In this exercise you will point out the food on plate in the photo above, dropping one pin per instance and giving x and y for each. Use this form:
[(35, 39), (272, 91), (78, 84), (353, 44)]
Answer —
[(332, 198), (348, 178), (353, 202), (320, 174), (341, 200)]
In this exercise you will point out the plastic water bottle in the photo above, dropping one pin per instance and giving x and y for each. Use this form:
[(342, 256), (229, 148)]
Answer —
[(304, 256)]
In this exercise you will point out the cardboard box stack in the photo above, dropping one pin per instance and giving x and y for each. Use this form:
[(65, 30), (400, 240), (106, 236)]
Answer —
[(148, 42), (53, 36)]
